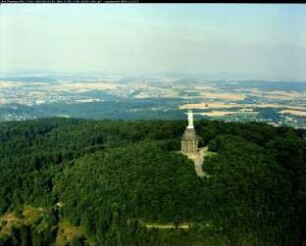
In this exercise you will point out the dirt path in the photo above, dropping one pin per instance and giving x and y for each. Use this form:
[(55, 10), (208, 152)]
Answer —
[(167, 226)]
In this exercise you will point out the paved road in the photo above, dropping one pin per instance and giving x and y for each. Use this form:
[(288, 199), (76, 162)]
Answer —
[(198, 166), (198, 161)]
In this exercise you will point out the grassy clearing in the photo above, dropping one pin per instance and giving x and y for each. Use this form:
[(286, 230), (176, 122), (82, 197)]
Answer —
[(29, 216), (67, 233), (205, 152)]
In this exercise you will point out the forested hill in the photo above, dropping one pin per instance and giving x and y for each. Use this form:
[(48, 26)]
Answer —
[(80, 182)]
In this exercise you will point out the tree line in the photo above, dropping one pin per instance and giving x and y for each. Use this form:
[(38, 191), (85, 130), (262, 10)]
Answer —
[(110, 178)]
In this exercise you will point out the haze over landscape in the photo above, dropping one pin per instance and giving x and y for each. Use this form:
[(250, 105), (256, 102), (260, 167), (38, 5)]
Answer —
[(220, 41), (95, 148), (234, 62)]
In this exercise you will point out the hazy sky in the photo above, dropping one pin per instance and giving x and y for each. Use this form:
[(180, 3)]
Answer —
[(255, 41)]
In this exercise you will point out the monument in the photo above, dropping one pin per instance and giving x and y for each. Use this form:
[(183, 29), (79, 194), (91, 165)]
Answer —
[(189, 143)]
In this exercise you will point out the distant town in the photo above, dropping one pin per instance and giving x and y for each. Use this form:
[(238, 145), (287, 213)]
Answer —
[(147, 97)]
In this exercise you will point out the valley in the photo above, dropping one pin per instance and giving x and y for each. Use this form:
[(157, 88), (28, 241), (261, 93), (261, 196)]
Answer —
[(148, 97)]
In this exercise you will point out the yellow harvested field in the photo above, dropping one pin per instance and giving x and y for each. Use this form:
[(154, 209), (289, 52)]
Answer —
[(224, 96), (219, 105), (217, 113), (143, 95), (7, 84), (294, 112), (270, 105), (223, 113), (286, 93), (288, 96), (206, 105), (85, 86), (206, 87)]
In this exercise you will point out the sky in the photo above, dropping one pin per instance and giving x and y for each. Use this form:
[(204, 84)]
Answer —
[(241, 41)]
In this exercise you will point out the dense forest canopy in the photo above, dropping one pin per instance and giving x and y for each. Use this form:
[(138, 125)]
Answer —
[(79, 182)]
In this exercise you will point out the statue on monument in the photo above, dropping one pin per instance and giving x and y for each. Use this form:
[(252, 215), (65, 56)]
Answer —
[(189, 146), (189, 143), (190, 119)]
